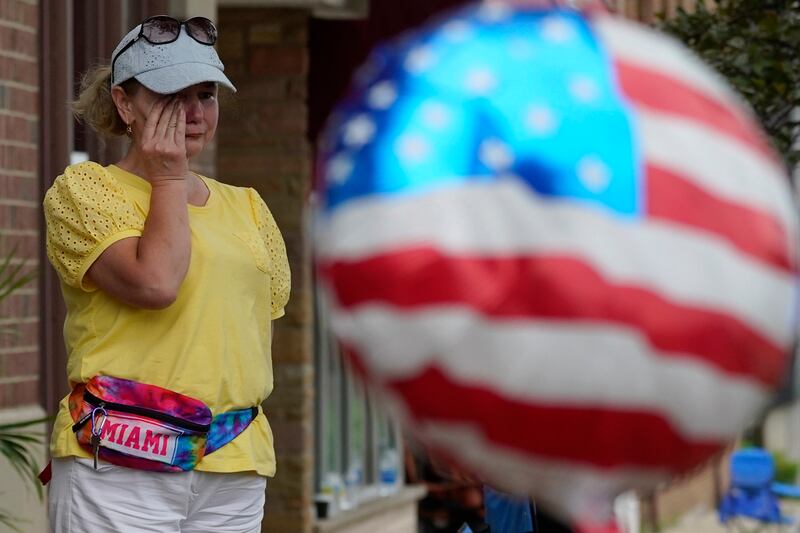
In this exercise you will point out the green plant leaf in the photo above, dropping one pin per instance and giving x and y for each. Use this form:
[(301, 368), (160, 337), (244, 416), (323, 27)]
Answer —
[(9, 521), (754, 44), (26, 423), (17, 445), (12, 277)]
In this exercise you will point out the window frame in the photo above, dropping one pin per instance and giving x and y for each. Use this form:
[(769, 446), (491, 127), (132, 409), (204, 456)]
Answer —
[(338, 388)]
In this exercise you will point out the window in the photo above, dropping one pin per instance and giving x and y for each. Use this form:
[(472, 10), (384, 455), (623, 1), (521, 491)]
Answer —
[(357, 450)]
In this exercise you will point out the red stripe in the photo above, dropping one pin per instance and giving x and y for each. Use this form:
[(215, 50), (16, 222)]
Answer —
[(600, 436), (756, 233), (555, 287), (652, 89)]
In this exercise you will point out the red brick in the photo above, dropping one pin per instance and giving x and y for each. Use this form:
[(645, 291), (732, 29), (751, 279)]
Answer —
[(236, 17), (298, 88), (5, 37), (19, 305), (268, 131), (21, 393), (19, 217), (281, 60), (20, 334), (20, 364), (19, 187), (19, 41), (18, 158), (25, 42), (25, 13), (284, 117), (19, 70), (23, 154), (15, 128), (26, 247), (295, 29), (263, 90), (22, 100), (240, 164)]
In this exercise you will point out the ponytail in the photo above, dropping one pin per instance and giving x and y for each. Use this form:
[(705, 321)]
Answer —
[(94, 105)]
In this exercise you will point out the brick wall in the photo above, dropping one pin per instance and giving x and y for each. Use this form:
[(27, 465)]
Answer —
[(19, 202), (262, 143)]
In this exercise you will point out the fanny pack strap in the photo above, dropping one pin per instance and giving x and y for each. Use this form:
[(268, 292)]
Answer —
[(227, 426)]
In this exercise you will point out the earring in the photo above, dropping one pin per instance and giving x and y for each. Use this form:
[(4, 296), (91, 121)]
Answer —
[(129, 130)]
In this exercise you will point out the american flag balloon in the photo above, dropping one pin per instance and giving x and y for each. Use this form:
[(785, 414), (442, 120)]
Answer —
[(560, 247)]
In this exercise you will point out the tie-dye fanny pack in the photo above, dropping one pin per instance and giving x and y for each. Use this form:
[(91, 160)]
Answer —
[(143, 426)]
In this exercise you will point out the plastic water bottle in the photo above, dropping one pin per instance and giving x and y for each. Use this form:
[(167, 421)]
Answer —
[(353, 482), (388, 471), (333, 492)]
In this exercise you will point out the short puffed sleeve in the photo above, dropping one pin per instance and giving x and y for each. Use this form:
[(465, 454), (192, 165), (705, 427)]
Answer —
[(86, 211), (279, 262)]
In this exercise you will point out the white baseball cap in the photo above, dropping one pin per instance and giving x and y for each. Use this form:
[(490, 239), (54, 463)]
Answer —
[(167, 68)]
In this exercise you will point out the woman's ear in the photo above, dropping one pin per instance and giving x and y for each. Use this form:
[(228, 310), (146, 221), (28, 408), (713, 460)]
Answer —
[(123, 103)]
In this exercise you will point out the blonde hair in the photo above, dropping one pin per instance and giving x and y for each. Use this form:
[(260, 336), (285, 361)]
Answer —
[(94, 105)]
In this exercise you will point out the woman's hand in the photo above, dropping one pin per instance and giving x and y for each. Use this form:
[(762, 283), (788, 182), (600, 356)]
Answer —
[(148, 271), (163, 141)]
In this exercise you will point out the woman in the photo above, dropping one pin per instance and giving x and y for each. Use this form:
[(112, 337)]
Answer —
[(171, 281)]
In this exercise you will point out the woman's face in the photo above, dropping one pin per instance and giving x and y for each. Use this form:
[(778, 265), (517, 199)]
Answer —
[(202, 113)]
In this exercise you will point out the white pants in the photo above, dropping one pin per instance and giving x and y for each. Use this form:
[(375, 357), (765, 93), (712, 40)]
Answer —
[(114, 499)]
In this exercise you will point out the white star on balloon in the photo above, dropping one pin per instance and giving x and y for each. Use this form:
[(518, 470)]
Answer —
[(339, 169), (480, 81), (420, 59), (435, 115), (382, 95), (584, 89), (540, 120), (558, 30), (412, 148), (495, 11), (359, 131), (457, 31), (594, 174), (496, 154)]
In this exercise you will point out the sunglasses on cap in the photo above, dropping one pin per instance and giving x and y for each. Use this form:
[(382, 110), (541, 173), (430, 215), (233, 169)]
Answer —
[(162, 29)]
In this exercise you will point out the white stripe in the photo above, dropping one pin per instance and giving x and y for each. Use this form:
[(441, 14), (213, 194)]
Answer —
[(652, 50), (568, 490), (504, 218), (720, 164), (554, 362)]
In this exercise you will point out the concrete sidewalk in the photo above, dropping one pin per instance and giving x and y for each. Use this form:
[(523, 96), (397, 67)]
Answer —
[(704, 520), (700, 520)]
